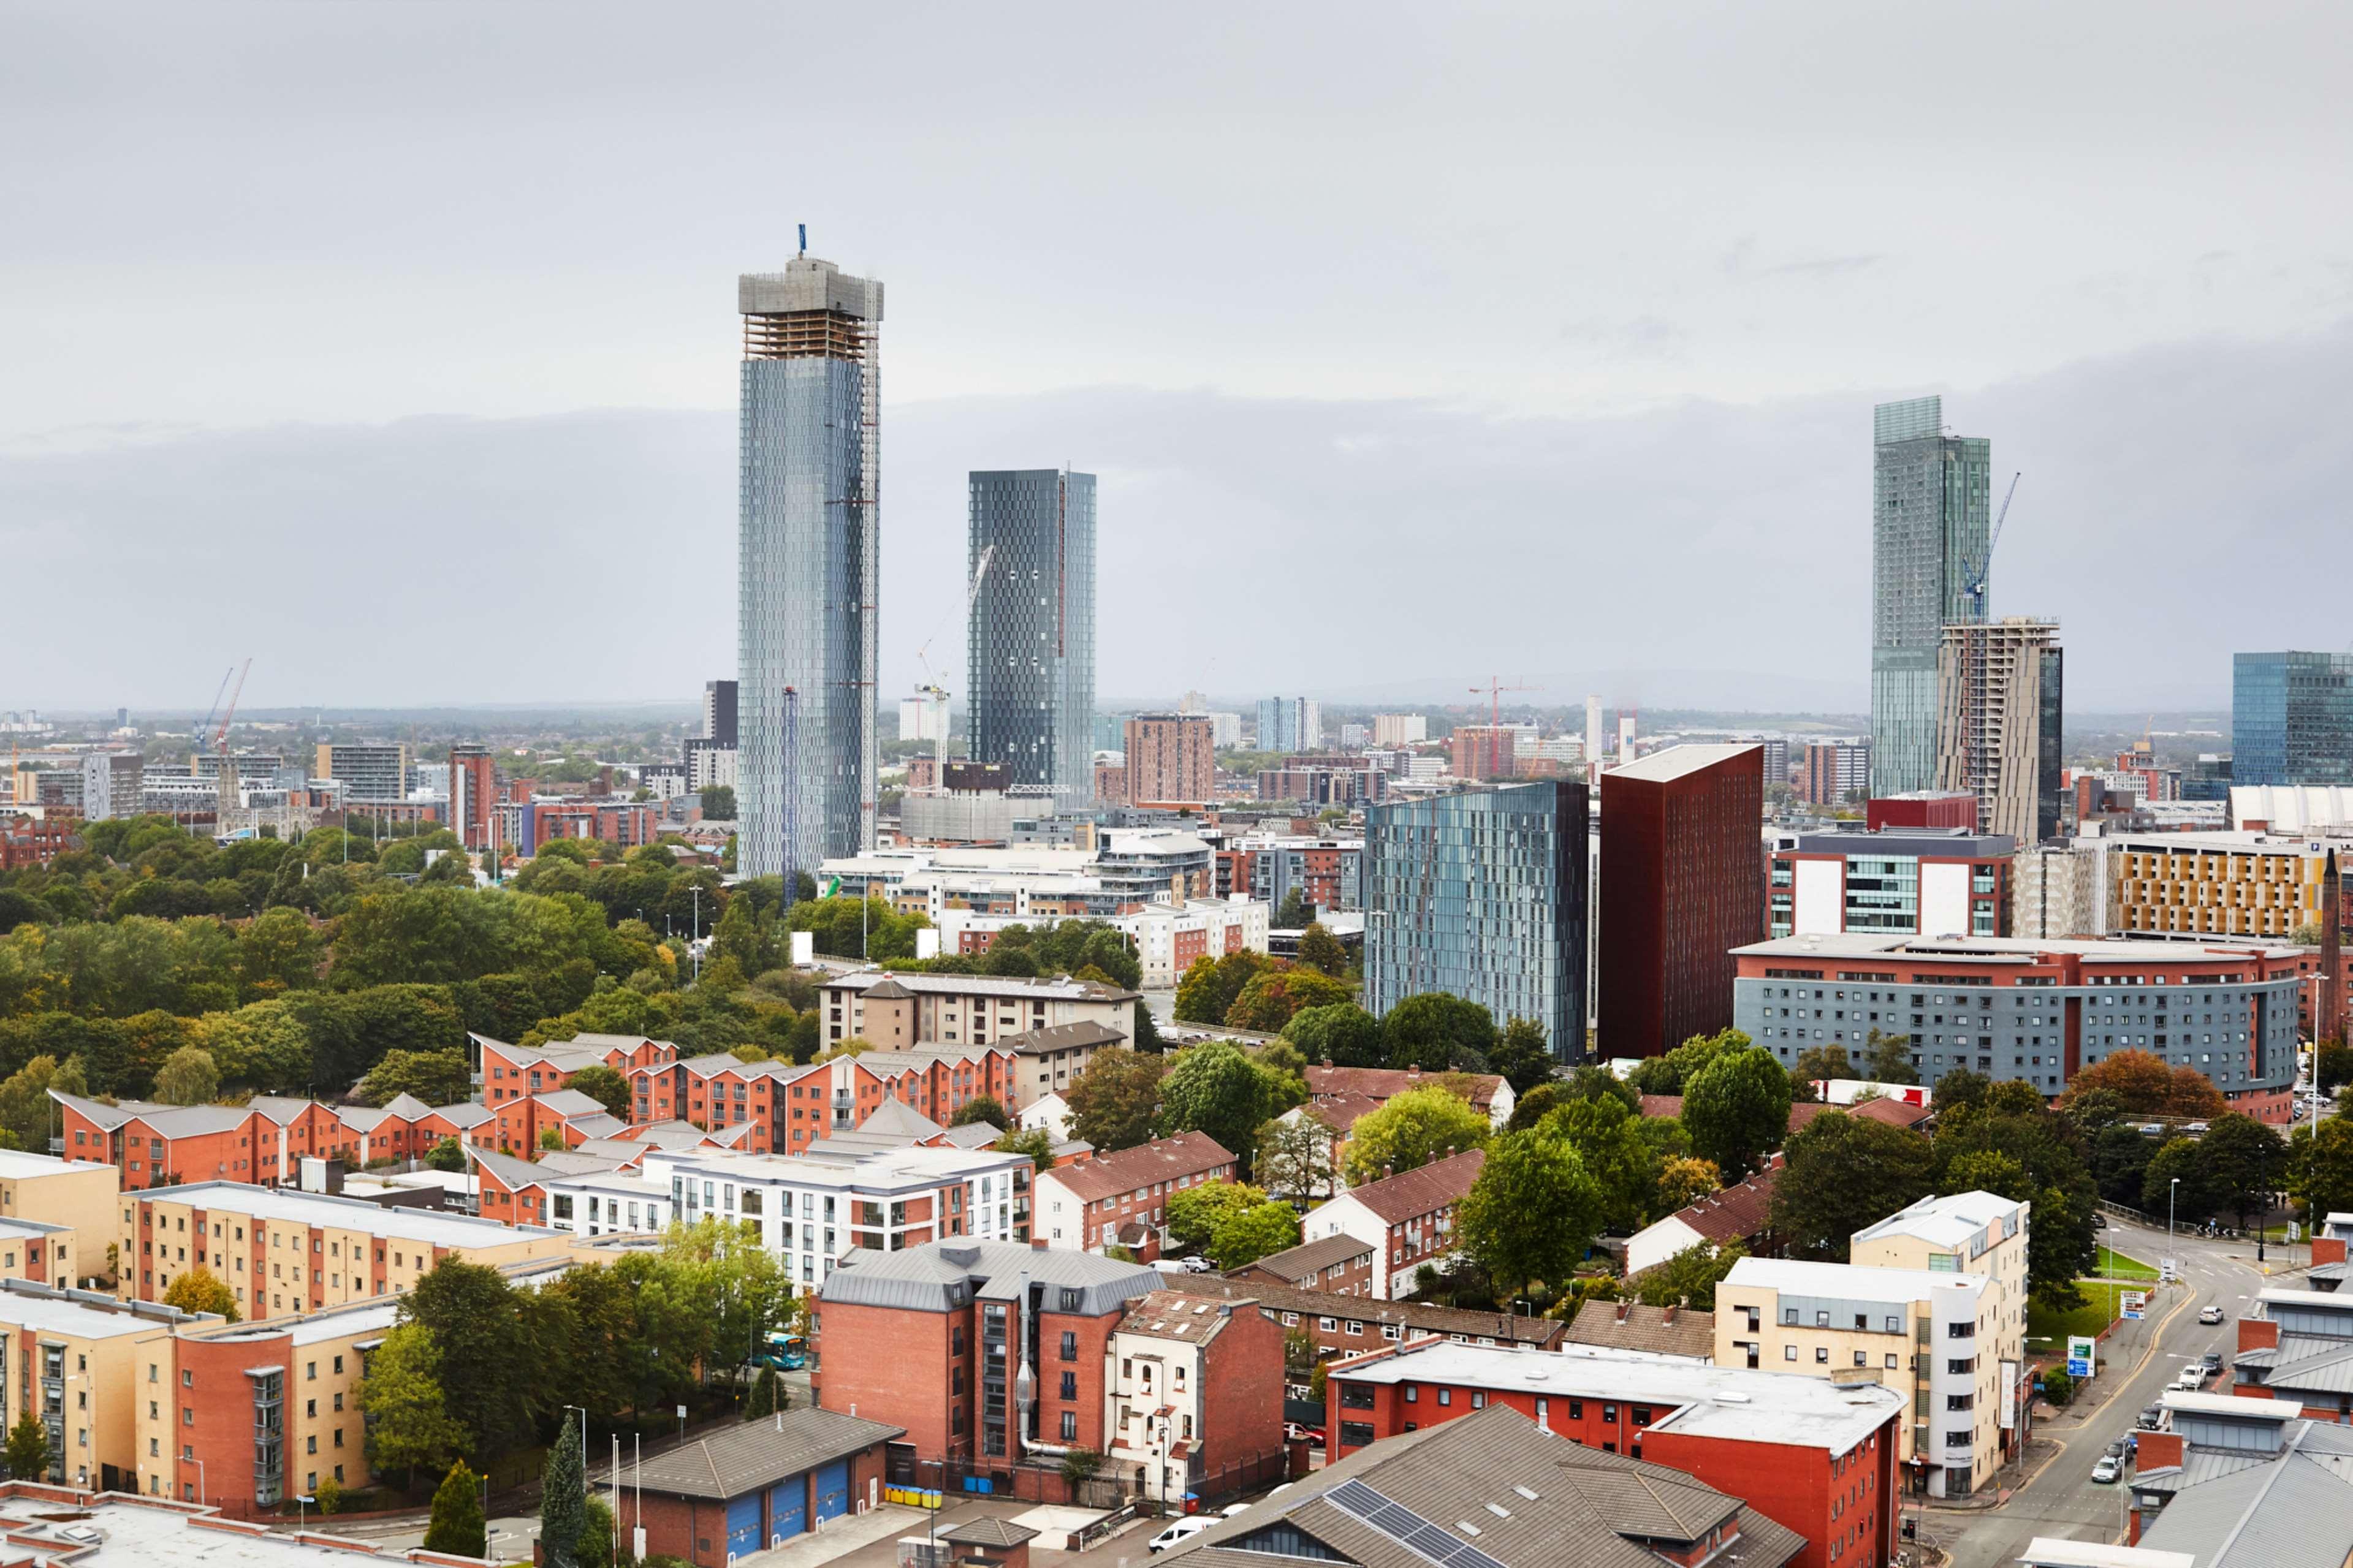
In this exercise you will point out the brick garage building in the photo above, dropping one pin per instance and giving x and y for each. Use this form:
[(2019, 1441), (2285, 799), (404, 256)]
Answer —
[(1088, 1205), (932, 1338), (1195, 1391), (1819, 1457), (751, 1487)]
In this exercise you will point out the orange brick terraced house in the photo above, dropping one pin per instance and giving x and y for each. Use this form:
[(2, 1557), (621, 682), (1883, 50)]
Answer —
[(783, 1109), (263, 1141), (1408, 1218), (1122, 1199)]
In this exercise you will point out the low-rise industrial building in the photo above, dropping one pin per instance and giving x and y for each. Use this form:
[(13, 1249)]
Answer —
[(751, 1487)]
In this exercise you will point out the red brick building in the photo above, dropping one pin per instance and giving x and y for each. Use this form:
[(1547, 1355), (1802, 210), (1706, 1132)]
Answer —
[(1682, 867), (1171, 758), (1195, 1396), (1817, 1456), (624, 823), (262, 1142), (27, 840), (1408, 1218), (1099, 1202), (1337, 1266), (1347, 1325), (1489, 1094), (1933, 809), (934, 1339)]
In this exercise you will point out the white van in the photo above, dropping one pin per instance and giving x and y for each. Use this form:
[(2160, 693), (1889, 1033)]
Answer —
[(1182, 1531)]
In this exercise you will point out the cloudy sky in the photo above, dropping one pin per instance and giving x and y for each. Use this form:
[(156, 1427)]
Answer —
[(393, 344)]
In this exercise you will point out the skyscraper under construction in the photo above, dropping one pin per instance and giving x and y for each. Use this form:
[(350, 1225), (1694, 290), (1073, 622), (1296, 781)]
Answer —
[(808, 561)]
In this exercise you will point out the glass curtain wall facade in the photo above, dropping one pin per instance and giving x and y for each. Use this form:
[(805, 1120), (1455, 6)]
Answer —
[(1930, 522), (1482, 896), (1030, 643), (2292, 719), (807, 567)]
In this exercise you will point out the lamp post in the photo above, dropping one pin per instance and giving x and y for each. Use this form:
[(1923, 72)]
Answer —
[(2171, 1191)]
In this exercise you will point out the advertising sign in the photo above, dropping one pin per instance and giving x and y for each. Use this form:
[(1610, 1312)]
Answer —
[(2081, 1351)]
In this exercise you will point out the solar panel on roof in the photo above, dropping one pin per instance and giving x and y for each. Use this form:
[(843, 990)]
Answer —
[(1407, 1528)]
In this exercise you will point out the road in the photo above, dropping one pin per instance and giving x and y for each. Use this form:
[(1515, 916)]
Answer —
[(2060, 1498)]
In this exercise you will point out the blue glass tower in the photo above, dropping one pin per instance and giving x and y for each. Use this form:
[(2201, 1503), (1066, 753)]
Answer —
[(1929, 530), (1482, 896), (1030, 643), (809, 560), (2292, 719)]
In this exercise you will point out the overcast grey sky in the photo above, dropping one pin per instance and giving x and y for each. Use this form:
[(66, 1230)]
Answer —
[(393, 345)]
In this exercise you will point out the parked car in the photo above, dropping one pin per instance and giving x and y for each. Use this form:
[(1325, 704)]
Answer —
[(2192, 1378), (2214, 1361), (1295, 1432), (2193, 1130), (2106, 1472), (1182, 1531), (2099, 1220), (2210, 1314), (2150, 1415), (2152, 1128), (2116, 1449)]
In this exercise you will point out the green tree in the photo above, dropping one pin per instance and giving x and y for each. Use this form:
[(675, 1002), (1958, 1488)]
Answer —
[(2119, 1163), (1816, 1063), (718, 803), (1684, 1181), (2058, 1387), (1213, 1088), (26, 1109), (597, 1534), (1194, 1213), (2241, 1160), (1532, 1212), (1273, 997), (188, 1077), (1206, 992), (1034, 1142), (981, 1108), (1669, 1073), (448, 1155), (2320, 1167), (2012, 1119), (763, 1400), (28, 1447), (1688, 1278), (1320, 950), (489, 1385), (455, 1526), (1294, 1156), (1439, 1032), (1342, 1034), (329, 1496), (198, 1291), (1291, 914), (1840, 1174), (605, 1087), (1736, 1109), (1244, 1238), (1113, 1100), (433, 1077), (1408, 1132), (1624, 1166), (1520, 1055), (2333, 1065), (409, 1425), (1888, 1058), (2176, 1161), (563, 1499)]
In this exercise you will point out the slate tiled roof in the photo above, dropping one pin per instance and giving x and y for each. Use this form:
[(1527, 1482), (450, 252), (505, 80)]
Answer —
[(1737, 1213), (1423, 1190), (759, 1454), (1303, 1264), (1410, 1317), (1162, 1159), (1631, 1326), (1383, 1083)]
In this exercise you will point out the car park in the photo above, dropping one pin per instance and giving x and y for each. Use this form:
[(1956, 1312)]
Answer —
[(2106, 1472), (2209, 1315), (1184, 1529)]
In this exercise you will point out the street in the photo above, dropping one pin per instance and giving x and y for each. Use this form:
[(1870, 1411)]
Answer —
[(2059, 1498)]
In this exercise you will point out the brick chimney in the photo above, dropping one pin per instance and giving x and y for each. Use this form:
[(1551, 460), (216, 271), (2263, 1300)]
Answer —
[(2327, 1249), (1667, 1313), (1037, 1244), (2158, 1451), (1624, 1307)]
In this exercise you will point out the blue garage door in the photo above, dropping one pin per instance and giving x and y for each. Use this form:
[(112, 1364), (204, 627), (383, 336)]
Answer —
[(833, 1490), (788, 1508), (743, 1525)]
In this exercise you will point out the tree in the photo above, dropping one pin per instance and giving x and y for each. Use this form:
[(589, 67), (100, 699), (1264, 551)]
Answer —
[(1206, 992), (597, 1534), (1112, 1101), (408, 1427), (1684, 1180), (1292, 913), (1840, 1174), (981, 1108), (2320, 1167), (457, 1525), (1294, 1156), (1688, 1278), (1320, 950), (1520, 1055), (1736, 1109), (26, 1109), (1273, 997), (1532, 1212), (2176, 1184), (1670, 1074), (1437, 1032), (563, 1499), (448, 1155), (1034, 1142), (1195, 1213), (329, 1496), (605, 1087), (2012, 1119), (432, 1077), (1241, 1239), (718, 803), (763, 1401), (2241, 1161), (1410, 1130), (2119, 1163), (28, 1447), (198, 1291), (2058, 1386), (1888, 1058), (1815, 1064), (2144, 1086), (488, 1383), (1341, 1036), (188, 1077), (2332, 1065), (1213, 1088)]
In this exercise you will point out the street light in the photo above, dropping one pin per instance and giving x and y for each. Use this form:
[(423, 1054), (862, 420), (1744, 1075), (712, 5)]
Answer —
[(2172, 1193)]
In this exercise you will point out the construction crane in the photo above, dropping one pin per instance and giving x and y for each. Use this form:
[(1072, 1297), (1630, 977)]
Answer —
[(1494, 689), (1985, 566), (934, 692), (206, 728), (226, 796)]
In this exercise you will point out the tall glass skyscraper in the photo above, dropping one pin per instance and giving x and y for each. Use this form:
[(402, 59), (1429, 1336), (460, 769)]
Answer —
[(2292, 719), (1030, 648), (1481, 896), (1930, 496), (809, 561)]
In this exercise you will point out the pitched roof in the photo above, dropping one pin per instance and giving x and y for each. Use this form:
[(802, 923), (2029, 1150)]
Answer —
[(895, 1118), (989, 1530), (1080, 1036), (1305, 1262), (1162, 1159), (758, 1454), (940, 1275), (1179, 1315), (1735, 1213), (571, 1103), (888, 990), (1414, 1317), (1894, 1112), (1425, 1189), (1632, 1326), (465, 1113), (1382, 1083), (170, 1120), (1340, 1112)]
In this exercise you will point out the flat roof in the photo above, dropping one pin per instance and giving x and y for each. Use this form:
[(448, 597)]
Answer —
[(16, 1164), (1843, 1281), (2054, 1551), (148, 1531), (877, 1168), (2006, 949), (2232, 1404), (1730, 1402), (59, 1313), (428, 1226), (1675, 762), (1948, 1221)]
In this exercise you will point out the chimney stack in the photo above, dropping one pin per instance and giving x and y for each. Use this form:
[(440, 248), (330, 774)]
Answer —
[(1668, 1316)]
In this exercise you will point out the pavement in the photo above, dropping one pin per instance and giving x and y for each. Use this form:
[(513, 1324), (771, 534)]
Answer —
[(2051, 1491)]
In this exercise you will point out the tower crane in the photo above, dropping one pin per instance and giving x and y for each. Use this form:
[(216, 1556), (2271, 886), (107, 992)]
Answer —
[(206, 728), (226, 796), (1494, 689), (937, 693), (1985, 565)]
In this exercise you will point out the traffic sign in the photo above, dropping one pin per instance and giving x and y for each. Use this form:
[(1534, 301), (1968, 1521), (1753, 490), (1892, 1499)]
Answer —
[(2133, 1304)]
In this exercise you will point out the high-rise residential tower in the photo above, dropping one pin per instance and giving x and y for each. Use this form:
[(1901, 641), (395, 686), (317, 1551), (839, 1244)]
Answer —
[(2292, 719), (2000, 698), (719, 711), (809, 556), (1929, 527), (1290, 724), (1030, 644)]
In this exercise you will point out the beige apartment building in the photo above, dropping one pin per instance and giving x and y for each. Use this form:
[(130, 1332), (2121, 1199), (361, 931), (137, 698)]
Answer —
[(1933, 1305), (56, 1216), (71, 1359), (285, 1252)]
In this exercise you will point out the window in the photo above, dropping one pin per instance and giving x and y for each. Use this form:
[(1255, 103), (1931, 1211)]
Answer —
[(1356, 1397), (1445, 1396), (1789, 1352), (1822, 1354), (1069, 1386), (1356, 1434), (1070, 1349), (1070, 1425)]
